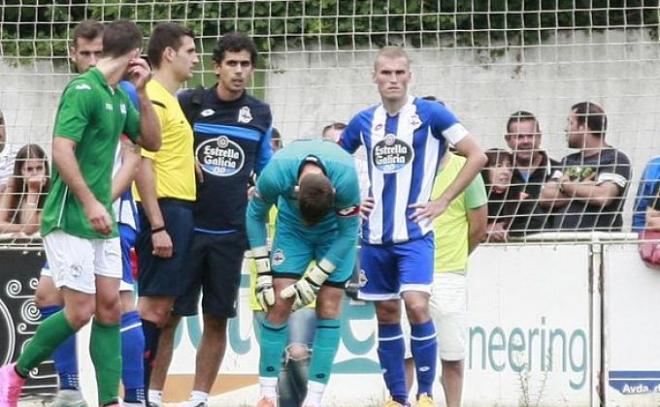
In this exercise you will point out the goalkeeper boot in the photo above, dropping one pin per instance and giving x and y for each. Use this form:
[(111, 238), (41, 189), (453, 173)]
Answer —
[(196, 403), (267, 402)]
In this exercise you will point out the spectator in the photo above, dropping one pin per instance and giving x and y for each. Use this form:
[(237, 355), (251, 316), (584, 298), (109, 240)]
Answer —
[(276, 140), (588, 191), (20, 206), (532, 167), (7, 155), (653, 216), (647, 194), (332, 132), (497, 176)]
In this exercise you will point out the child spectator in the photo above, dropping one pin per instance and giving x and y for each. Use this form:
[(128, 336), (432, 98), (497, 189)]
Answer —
[(497, 176)]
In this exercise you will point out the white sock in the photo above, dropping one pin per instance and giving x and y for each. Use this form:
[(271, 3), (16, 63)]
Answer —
[(156, 396), (268, 387), (198, 396), (314, 394)]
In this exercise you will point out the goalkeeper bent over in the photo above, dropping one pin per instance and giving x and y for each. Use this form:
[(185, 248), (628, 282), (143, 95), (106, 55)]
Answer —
[(315, 186)]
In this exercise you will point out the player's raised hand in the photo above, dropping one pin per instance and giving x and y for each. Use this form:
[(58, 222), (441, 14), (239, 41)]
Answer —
[(426, 212), (139, 72), (98, 217)]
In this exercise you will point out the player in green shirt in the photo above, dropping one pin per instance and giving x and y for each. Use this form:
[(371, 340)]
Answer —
[(80, 235)]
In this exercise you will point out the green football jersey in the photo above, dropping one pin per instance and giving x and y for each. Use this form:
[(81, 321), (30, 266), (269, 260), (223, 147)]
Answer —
[(94, 115)]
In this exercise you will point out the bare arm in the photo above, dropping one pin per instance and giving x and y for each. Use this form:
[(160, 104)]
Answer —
[(145, 181), (64, 158), (476, 160), (652, 219), (150, 137), (149, 124), (551, 197), (7, 224), (477, 220), (592, 194), (130, 156), (29, 212)]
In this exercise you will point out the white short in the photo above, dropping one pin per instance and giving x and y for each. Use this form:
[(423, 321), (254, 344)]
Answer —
[(123, 285), (448, 305), (74, 262)]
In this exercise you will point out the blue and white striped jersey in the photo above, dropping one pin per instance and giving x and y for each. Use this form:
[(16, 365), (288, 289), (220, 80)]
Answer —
[(403, 151), (124, 206)]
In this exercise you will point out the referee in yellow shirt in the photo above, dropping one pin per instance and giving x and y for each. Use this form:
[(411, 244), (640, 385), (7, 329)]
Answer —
[(165, 186)]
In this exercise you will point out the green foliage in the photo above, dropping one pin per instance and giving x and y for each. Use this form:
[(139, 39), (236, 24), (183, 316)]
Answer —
[(40, 29)]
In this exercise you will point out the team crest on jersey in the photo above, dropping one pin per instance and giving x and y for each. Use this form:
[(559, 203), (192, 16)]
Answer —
[(415, 121), (362, 278), (207, 112), (278, 257), (122, 108), (244, 115), (220, 157), (108, 106), (391, 154)]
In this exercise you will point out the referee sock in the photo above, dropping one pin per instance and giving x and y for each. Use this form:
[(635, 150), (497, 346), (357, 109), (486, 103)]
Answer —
[(424, 347), (151, 336), (65, 357), (391, 351), (132, 347)]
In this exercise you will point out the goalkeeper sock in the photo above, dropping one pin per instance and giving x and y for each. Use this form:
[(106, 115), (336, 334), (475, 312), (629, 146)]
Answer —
[(391, 351), (424, 347), (326, 342), (132, 347), (65, 357), (314, 394), (273, 340)]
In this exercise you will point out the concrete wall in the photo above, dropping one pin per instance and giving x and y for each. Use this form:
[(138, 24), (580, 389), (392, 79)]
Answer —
[(618, 69)]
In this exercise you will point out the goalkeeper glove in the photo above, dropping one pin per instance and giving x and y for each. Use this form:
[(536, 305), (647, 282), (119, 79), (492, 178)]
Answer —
[(263, 289), (305, 290)]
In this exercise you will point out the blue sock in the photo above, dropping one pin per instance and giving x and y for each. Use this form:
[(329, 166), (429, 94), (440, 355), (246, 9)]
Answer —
[(424, 347), (151, 335), (132, 348), (65, 356), (272, 341), (326, 342), (391, 351)]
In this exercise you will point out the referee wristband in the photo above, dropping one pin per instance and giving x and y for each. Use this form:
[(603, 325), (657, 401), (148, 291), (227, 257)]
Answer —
[(157, 230)]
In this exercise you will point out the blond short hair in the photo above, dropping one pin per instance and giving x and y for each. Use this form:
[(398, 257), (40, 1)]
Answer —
[(391, 52)]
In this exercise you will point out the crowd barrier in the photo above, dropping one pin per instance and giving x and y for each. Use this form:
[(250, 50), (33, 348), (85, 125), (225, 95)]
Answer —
[(540, 332), (19, 317)]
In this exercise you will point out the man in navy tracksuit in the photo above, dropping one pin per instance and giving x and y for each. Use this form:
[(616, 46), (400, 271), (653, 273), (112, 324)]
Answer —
[(232, 133)]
